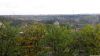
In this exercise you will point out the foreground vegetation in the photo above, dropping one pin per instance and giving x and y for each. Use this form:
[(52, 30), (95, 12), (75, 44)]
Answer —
[(49, 40)]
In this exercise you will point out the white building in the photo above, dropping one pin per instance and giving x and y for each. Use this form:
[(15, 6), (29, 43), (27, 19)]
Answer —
[(56, 23), (1, 23)]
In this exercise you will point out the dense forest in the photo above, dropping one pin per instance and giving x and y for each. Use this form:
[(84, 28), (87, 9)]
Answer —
[(49, 40)]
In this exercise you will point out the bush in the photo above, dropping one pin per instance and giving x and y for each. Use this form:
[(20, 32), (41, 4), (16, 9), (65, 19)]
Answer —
[(49, 40)]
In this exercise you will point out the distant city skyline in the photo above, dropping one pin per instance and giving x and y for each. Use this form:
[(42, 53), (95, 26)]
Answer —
[(46, 7)]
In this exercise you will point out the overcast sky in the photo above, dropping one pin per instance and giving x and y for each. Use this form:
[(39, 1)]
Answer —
[(37, 7)]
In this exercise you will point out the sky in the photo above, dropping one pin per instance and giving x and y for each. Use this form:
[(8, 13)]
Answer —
[(45, 7)]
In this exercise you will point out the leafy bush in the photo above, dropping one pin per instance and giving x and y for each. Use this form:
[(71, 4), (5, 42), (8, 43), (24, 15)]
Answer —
[(49, 40)]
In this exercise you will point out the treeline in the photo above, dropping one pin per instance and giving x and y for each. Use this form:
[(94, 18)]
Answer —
[(49, 40)]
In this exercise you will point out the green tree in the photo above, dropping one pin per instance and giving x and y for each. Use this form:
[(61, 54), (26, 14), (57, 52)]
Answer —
[(28, 40), (7, 43)]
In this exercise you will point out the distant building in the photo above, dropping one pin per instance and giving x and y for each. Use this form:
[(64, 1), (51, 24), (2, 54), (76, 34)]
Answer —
[(21, 32), (56, 23), (1, 23)]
